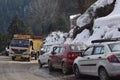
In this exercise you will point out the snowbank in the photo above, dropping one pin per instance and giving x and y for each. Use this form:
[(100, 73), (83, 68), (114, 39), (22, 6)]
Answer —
[(86, 17), (104, 27), (55, 38)]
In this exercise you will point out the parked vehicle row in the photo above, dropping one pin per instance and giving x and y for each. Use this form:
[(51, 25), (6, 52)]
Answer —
[(59, 56), (101, 59)]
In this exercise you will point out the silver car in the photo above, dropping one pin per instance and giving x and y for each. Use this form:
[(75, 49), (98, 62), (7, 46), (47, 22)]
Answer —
[(45, 52), (101, 59)]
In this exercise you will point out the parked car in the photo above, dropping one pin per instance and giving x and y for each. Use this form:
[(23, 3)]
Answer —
[(63, 56), (101, 59), (44, 55)]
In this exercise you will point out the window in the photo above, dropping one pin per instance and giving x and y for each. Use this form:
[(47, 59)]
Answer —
[(114, 47), (88, 51), (62, 49), (99, 50), (75, 47), (56, 49)]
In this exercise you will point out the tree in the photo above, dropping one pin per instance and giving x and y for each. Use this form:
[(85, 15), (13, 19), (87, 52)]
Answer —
[(45, 16), (3, 41), (18, 27)]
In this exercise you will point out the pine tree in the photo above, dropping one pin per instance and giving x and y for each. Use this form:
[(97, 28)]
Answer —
[(17, 27)]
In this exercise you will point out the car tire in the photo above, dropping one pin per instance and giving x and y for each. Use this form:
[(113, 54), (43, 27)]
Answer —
[(103, 75), (29, 59), (76, 72), (35, 56), (64, 69), (50, 67), (13, 58)]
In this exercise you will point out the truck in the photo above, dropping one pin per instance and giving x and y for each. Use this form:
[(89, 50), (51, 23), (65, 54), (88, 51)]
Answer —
[(25, 47)]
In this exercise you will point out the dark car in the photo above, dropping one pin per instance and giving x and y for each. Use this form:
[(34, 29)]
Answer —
[(63, 56)]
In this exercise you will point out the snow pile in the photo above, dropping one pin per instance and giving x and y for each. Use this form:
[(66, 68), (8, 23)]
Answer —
[(55, 38), (104, 27), (110, 23), (86, 18), (83, 36)]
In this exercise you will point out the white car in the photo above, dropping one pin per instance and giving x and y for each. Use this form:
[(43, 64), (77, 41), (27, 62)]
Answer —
[(101, 59), (44, 55)]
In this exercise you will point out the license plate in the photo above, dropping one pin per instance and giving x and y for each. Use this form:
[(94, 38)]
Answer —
[(18, 57)]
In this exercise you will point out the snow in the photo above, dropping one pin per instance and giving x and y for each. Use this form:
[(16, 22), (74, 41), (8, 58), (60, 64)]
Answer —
[(74, 16), (86, 17), (110, 23), (103, 28), (55, 38), (82, 37)]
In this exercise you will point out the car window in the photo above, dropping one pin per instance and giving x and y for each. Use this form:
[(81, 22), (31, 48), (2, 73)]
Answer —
[(88, 51), (56, 49), (48, 49), (114, 47), (98, 50), (62, 49), (75, 47)]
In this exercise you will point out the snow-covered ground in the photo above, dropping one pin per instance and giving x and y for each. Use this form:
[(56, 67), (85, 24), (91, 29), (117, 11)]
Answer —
[(104, 27)]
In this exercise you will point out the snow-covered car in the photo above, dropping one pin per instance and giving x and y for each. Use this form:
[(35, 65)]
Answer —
[(101, 59), (44, 54)]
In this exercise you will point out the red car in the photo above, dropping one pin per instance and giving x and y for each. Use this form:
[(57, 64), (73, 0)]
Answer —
[(63, 56)]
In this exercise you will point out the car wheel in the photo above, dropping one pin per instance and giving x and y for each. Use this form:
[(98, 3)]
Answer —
[(36, 56), (13, 58), (103, 74), (76, 72), (64, 68), (29, 59), (40, 64), (50, 67)]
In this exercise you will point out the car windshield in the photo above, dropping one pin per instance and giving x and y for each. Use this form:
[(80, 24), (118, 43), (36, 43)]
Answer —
[(76, 47), (20, 43), (114, 47)]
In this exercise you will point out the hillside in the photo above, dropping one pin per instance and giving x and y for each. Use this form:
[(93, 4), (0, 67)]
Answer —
[(43, 16), (10, 8), (100, 21)]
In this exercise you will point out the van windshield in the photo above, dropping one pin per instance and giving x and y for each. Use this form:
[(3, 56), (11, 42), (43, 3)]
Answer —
[(20, 43)]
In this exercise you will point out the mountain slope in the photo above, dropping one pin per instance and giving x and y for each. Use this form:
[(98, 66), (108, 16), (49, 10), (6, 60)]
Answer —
[(9, 9)]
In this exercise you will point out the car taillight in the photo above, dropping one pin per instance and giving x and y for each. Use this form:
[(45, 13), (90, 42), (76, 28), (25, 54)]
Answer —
[(72, 55), (113, 59)]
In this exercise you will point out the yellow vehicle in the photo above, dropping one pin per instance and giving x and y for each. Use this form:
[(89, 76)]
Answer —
[(25, 46)]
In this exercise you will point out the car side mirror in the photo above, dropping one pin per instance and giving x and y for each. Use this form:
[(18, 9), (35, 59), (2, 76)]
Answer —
[(82, 50), (53, 53), (42, 52), (81, 55)]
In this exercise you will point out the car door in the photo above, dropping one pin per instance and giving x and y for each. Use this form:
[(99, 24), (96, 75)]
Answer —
[(96, 58), (54, 56), (85, 60), (45, 56), (60, 56), (42, 53)]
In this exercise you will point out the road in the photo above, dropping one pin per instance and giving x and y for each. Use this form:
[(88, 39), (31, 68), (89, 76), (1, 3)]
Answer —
[(23, 70)]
